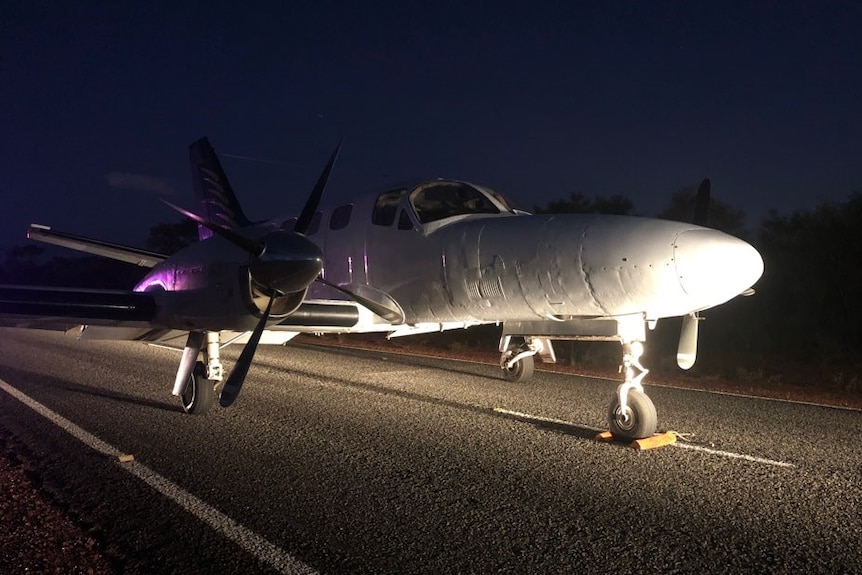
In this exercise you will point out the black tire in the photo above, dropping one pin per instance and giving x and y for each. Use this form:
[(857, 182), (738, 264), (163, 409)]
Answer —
[(521, 371), (199, 396), (640, 419)]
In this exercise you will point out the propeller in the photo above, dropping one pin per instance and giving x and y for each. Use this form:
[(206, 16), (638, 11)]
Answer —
[(305, 217), (234, 382), (686, 353), (281, 262), (253, 247)]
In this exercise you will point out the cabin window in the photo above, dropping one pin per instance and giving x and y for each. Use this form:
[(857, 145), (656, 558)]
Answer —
[(386, 207), (340, 217), (439, 200)]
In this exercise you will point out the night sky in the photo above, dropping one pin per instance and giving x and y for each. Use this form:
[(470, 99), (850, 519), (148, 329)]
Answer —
[(100, 100)]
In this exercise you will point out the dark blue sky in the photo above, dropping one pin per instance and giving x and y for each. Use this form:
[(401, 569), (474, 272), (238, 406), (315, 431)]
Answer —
[(99, 103)]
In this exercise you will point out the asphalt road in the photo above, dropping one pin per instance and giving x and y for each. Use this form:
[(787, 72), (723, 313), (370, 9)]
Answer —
[(361, 462)]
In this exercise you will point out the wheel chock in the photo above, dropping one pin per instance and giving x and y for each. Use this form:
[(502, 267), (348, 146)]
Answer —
[(657, 440)]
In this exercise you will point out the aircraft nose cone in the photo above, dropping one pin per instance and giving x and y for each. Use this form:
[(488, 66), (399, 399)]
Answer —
[(714, 267)]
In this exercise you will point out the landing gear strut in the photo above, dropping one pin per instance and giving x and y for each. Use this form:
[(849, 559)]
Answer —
[(631, 414), (517, 363), (196, 380), (518, 360)]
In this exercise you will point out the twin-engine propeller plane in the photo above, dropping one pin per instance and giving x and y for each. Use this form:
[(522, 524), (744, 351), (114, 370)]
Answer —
[(437, 255)]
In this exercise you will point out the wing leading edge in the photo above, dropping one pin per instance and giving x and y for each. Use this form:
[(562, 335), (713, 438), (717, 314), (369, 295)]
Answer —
[(64, 308)]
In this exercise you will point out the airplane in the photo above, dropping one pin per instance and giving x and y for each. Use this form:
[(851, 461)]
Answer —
[(431, 256)]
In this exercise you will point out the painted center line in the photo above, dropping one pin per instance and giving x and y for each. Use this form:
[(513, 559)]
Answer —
[(680, 445), (733, 455), (245, 538)]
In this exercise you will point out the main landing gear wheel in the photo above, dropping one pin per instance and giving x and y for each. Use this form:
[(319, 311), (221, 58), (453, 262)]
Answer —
[(521, 370), (639, 419), (199, 395)]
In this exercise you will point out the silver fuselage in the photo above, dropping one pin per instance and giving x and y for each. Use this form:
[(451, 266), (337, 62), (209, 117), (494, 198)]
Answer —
[(469, 268)]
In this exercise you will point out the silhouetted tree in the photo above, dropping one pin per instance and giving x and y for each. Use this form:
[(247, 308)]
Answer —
[(21, 264), (812, 282), (170, 238), (722, 216), (26, 265)]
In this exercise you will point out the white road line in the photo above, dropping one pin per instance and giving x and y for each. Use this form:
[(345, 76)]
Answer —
[(245, 538), (733, 455), (730, 454), (529, 417), (539, 367)]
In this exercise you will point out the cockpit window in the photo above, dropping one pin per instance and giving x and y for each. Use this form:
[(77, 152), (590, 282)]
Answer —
[(438, 200), (499, 198), (385, 207)]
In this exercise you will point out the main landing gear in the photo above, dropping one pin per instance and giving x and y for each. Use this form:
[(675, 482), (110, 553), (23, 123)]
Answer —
[(196, 380), (631, 414), (517, 360), (199, 395)]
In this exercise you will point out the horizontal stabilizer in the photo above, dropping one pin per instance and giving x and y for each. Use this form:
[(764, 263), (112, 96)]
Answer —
[(126, 254)]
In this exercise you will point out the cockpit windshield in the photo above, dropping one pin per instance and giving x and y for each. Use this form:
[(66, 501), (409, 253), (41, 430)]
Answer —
[(437, 200)]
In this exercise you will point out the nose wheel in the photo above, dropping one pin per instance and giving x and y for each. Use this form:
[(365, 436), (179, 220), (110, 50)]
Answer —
[(631, 414), (636, 419)]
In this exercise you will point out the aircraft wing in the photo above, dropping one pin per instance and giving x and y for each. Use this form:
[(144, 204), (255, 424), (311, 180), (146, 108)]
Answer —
[(65, 308), (135, 256)]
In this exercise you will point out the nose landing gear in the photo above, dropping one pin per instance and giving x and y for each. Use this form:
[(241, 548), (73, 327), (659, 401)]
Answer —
[(631, 414)]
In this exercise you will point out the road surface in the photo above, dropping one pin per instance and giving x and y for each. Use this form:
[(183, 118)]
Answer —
[(344, 461)]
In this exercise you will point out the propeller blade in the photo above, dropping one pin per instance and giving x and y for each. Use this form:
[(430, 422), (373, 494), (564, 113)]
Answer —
[(251, 246), (701, 204), (388, 308), (304, 220), (687, 352), (234, 382)]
